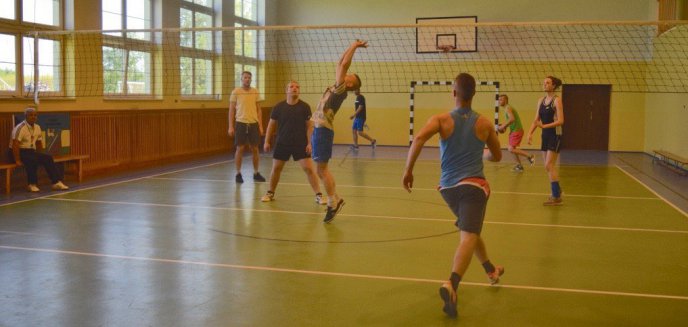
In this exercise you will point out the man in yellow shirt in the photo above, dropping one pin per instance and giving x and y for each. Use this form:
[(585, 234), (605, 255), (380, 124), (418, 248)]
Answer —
[(246, 125)]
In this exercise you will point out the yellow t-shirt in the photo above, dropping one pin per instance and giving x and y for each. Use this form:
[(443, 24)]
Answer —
[(246, 110)]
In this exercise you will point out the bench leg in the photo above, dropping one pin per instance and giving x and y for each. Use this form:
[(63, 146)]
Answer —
[(8, 178), (78, 170)]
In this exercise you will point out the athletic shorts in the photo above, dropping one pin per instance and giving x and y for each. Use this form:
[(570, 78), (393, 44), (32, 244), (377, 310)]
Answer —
[(321, 141), (284, 152), (515, 138), (358, 124), (468, 201), (246, 134), (551, 143)]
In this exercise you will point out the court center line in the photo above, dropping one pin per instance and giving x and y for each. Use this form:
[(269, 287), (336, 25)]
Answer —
[(338, 274), (370, 216), (414, 189), (655, 193)]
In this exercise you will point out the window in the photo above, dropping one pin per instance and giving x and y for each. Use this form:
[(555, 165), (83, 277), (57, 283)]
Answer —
[(246, 41), (46, 12), (8, 9), (8, 63), (127, 56), (196, 65), (49, 65)]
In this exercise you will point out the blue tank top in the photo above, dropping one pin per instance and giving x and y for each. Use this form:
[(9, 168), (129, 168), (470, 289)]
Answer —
[(461, 154), (548, 114)]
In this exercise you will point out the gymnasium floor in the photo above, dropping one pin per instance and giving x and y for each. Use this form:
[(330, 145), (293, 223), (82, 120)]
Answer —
[(186, 246)]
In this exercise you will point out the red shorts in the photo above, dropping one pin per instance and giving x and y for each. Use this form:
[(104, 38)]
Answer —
[(515, 138)]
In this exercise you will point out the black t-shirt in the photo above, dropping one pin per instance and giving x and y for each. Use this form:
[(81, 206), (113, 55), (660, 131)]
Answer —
[(360, 101), (291, 123)]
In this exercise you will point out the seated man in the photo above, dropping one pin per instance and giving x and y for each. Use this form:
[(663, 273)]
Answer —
[(26, 144)]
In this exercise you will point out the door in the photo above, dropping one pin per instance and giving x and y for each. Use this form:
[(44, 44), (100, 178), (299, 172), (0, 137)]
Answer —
[(586, 116)]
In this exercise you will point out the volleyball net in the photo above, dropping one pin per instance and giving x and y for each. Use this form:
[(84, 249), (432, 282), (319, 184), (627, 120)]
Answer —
[(632, 57)]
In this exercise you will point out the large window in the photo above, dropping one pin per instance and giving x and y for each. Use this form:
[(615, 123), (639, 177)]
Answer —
[(196, 63), (246, 41), (8, 63), (49, 65), (46, 12), (127, 56), (7, 9)]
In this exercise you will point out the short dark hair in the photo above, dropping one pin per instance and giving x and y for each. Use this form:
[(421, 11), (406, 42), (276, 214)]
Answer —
[(464, 84), (359, 81), (555, 81), (246, 72)]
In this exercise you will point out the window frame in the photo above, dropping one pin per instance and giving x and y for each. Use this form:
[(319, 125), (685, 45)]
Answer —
[(194, 53), (242, 59)]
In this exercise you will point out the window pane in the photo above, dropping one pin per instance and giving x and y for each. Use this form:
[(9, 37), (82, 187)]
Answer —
[(8, 63), (138, 17), (113, 70), (238, 41), (238, 68), (249, 11), (204, 39), (205, 3), (45, 12), (139, 73), (49, 65), (237, 8), (7, 9), (250, 44), (185, 21), (186, 72), (203, 78)]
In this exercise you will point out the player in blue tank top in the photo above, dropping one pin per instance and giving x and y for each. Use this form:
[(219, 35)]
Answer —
[(463, 136), (550, 118)]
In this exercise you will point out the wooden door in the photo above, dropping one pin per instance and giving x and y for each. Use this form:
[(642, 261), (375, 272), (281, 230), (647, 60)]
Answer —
[(586, 116)]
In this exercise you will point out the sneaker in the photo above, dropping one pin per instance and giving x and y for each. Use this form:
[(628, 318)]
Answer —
[(373, 143), (553, 202), (517, 169), (531, 159), (269, 196), (257, 177), (354, 147), (448, 295), (320, 199), (59, 186), (32, 188), (238, 178), (494, 276), (332, 212)]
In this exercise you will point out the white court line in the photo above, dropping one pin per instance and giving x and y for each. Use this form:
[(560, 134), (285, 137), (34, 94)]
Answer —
[(47, 196), (369, 216), (653, 192), (337, 274), (415, 189)]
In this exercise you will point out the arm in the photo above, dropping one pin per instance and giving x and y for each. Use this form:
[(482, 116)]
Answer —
[(359, 109), (345, 60), (272, 126), (309, 134), (485, 132), (535, 123), (431, 128), (15, 152), (560, 115), (502, 127), (260, 118), (232, 117)]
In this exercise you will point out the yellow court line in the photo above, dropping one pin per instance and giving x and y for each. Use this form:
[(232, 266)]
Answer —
[(320, 213), (338, 274)]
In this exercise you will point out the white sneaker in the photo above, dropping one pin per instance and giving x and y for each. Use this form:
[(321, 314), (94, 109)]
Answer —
[(32, 188), (269, 196), (320, 199), (59, 186)]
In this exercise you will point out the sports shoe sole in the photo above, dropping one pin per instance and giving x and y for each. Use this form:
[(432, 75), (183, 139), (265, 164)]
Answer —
[(449, 306)]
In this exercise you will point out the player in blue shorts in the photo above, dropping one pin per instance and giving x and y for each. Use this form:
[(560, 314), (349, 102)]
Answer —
[(463, 136), (359, 118), (323, 118)]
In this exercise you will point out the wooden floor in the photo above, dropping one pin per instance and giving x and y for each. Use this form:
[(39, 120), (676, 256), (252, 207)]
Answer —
[(187, 246)]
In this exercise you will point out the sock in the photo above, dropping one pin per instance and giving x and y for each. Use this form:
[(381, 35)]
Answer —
[(488, 266), (455, 279), (556, 190)]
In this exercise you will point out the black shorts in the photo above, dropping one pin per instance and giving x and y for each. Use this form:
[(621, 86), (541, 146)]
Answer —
[(284, 152), (246, 134), (468, 203), (551, 143)]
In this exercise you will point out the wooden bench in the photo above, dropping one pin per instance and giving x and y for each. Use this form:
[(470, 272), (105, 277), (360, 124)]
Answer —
[(671, 160), (68, 158)]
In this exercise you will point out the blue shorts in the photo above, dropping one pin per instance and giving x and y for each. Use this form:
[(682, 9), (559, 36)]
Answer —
[(322, 141), (358, 124), (468, 203)]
